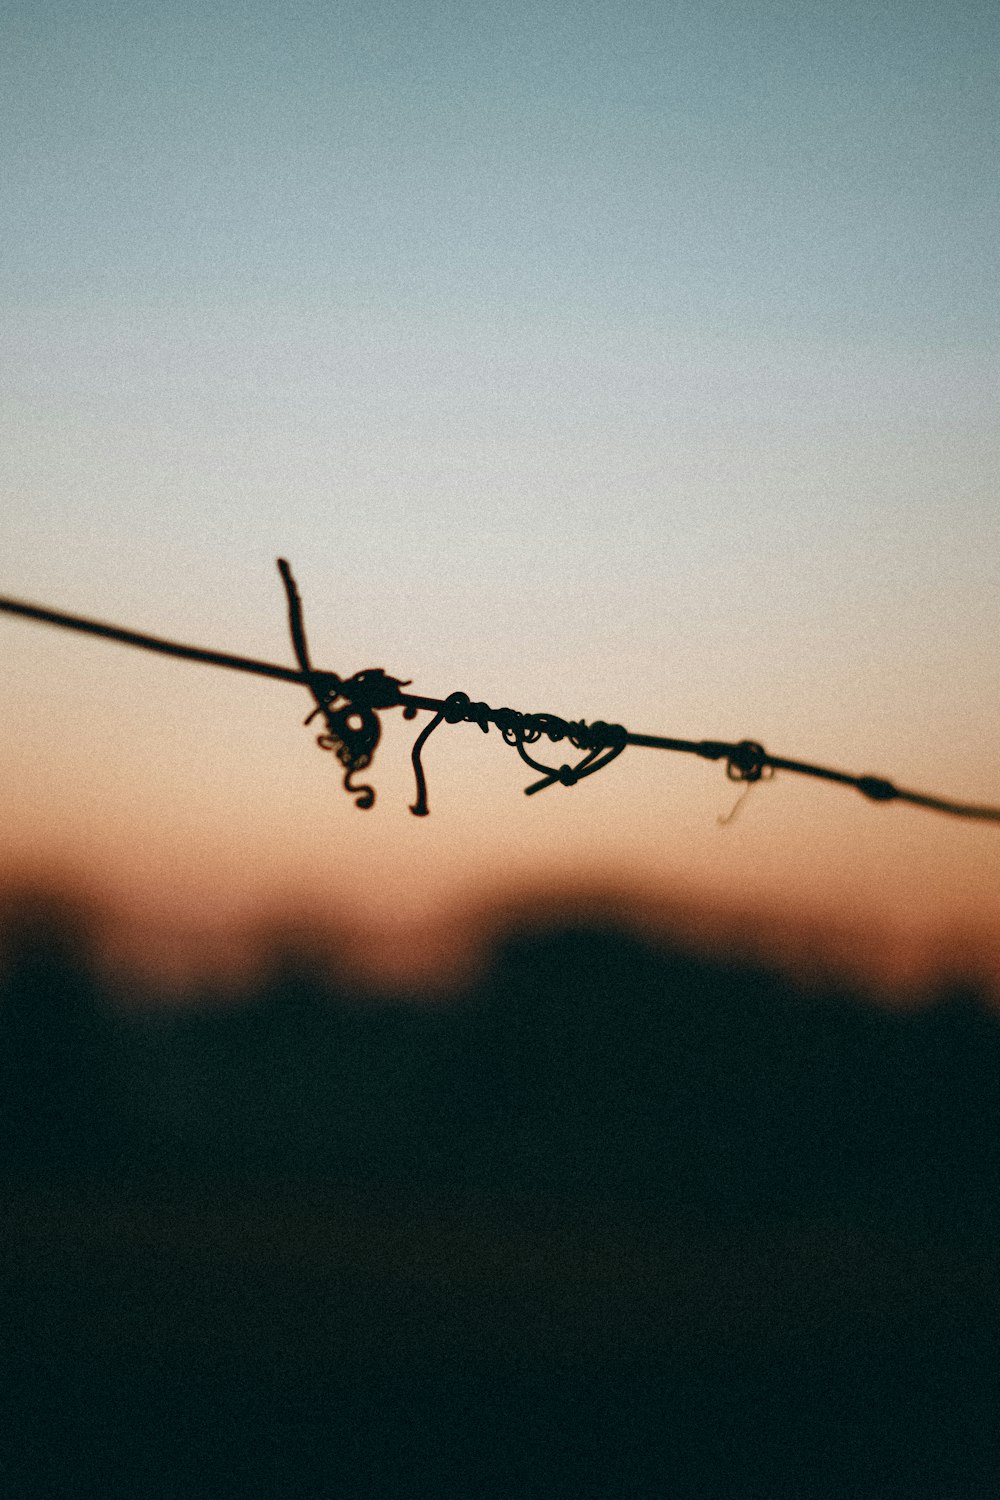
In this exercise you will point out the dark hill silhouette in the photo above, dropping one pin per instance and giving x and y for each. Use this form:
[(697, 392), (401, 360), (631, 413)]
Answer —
[(621, 1219), (584, 1064), (58, 1099)]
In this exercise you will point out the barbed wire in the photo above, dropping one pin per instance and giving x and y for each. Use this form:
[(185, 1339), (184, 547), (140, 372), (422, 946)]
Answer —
[(350, 709)]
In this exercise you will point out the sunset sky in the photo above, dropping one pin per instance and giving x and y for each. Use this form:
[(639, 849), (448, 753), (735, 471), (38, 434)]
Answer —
[(626, 362)]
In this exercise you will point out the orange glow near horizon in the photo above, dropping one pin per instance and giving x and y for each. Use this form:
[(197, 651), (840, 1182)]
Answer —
[(178, 907)]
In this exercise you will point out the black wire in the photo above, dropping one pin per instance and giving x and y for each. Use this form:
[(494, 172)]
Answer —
[(745, 759)]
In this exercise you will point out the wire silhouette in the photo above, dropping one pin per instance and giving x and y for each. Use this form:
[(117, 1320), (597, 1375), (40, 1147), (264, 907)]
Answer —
[(350, 709)]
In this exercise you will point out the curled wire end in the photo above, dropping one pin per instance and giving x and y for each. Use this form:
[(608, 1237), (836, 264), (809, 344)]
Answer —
[(419, 809), (364, 795), (724, 819)]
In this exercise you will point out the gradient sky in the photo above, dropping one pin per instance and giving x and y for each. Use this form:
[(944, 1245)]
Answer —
[(625, 362)]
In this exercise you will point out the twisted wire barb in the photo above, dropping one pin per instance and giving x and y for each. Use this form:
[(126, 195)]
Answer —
[(350, 709)]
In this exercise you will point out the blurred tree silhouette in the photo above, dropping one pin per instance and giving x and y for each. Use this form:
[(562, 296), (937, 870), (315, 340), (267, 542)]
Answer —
[(59, 1109), (618, 1211), (584, 1065)]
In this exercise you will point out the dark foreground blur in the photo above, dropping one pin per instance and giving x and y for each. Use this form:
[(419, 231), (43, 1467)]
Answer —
[(618, 1221)]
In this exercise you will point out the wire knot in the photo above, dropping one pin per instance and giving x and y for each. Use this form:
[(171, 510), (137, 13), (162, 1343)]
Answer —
[(455, 707), (877, 788), (746, 761), (373, 688)]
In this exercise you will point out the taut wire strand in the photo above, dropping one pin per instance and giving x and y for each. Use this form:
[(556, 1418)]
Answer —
[(350, 708)]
